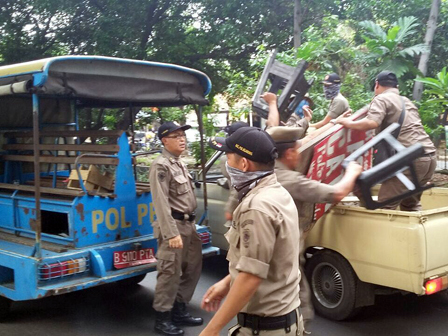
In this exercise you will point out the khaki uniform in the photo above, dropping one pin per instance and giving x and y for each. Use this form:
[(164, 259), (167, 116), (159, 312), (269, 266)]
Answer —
[(386, 109), (304, 192), (263, 242), (178, 270), (301, 123), (338, 105)]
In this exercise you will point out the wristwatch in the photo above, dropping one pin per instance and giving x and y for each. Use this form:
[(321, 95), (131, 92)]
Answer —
[(333, 121)]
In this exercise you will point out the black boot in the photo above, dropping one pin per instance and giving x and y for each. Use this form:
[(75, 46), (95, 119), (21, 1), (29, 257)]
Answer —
[(182, 317), (165, 326)]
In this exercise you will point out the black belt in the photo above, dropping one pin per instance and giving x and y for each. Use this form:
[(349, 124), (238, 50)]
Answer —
[(430, 154), (257, 323), (183, 216)]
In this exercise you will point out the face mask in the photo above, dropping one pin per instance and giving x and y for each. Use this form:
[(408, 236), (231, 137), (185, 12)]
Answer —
[(331, 91), (238, 178)]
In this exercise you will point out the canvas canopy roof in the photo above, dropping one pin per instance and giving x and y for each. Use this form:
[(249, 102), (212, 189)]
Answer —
[(106, 81)]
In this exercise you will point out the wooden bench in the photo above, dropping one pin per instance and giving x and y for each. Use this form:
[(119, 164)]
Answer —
[(43, 190), (19, 149), (63, 159)]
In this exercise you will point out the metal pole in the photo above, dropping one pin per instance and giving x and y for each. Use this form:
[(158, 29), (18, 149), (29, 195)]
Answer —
[(134, 160), (36, 142), (204, 180)]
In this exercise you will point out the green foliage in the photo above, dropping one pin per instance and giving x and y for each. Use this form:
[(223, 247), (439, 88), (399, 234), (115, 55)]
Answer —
[(435, 102), (437, 88), (430, 112), (387, 50), (228, 41), (353, 88)]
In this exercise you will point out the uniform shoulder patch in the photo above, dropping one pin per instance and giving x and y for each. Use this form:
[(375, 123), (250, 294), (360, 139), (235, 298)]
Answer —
[(246, 238), (161, 175)]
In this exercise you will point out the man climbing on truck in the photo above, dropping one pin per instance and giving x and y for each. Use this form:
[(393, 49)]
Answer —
[(386, 108)]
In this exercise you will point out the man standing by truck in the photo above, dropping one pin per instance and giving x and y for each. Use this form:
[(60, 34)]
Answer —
[(179, 251), (263, 284), (304, 191), (389, 107)]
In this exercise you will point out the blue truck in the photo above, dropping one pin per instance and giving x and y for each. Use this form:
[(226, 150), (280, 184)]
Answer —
[(74, 214)]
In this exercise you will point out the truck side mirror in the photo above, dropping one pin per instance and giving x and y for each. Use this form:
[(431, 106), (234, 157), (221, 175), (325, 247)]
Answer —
[(393, 166)]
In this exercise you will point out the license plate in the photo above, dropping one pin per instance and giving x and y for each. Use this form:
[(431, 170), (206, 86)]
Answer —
[(123, 259)]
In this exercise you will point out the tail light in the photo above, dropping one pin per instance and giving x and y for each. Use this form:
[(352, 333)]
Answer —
[(205, 237), (436, 285), (59, 269)]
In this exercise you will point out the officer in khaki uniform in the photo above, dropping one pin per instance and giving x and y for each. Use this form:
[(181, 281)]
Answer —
[(338, 103), (179, 251), (263, 285), (385, 109), (305, 191)]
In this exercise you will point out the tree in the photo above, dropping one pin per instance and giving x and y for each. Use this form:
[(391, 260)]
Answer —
[(387, 50), (424, 58)]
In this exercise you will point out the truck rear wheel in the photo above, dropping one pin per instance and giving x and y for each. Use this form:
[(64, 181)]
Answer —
[(5, 305), (333, 283)]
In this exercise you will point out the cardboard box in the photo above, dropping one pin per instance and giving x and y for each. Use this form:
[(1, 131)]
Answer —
[(93, 179)]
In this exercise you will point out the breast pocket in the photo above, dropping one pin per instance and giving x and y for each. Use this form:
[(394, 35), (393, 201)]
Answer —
[(181, 184)]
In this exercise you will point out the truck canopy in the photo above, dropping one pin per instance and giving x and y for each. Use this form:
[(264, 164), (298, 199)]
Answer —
[(106, 81)]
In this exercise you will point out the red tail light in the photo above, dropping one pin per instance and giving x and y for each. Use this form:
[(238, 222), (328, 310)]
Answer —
[(61, 269), (205, 237), (436, 285)]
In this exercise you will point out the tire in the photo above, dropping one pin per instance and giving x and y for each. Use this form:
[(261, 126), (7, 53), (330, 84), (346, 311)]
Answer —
[(333, 283), (5, 305), (134, 281)]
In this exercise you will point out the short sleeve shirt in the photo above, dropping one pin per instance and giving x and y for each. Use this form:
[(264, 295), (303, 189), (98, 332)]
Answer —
[(264, 241), (386, 109), (303, 191), (338, 105), (172, 189), (295, 121)]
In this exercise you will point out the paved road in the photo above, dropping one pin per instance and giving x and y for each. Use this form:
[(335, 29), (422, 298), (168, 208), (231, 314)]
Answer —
[(112, 310)]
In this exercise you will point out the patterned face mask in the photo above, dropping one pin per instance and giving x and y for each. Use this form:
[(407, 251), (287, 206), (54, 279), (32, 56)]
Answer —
[(239, 178), (331, 91)]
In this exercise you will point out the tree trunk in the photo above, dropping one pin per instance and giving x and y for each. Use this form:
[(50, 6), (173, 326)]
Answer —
[(297, 23), (424, 58)]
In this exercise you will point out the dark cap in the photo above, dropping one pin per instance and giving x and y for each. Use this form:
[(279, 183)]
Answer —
[(387, 78), (332, 79), (169, 127), (230, 129), (249, 142)]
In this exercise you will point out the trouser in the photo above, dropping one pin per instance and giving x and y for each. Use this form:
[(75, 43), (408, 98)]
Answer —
[(178, 270), (296, 330), (424, 168), (306, 305)]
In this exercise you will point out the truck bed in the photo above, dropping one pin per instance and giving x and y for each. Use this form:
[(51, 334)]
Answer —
[(390, 248)]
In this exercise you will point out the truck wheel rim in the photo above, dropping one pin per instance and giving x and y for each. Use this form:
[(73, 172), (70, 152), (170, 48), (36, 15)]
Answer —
[(327, 284)]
